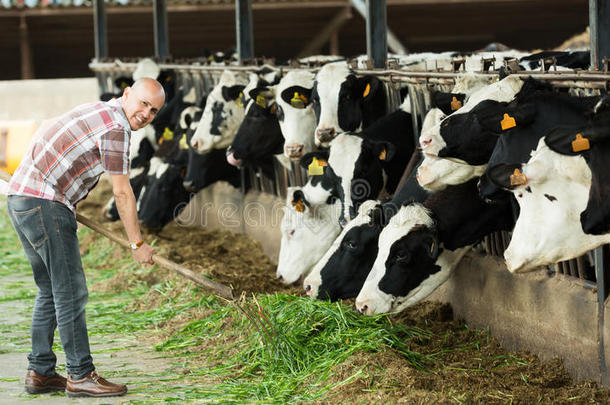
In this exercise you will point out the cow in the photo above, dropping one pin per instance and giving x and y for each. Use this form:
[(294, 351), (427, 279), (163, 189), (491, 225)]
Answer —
[(259, 137), (343, 102), (342, 270), (423, 242), (561, 194), (361, 165), (223, 114), (295, 113), (163, 196), (205, 169), (307, 233)]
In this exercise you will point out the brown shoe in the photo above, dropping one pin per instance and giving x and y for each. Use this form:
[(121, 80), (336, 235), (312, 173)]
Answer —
[(93, 386), (38, 384)]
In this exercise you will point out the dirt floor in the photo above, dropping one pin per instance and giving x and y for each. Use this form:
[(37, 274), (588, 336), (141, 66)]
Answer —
[(471, 368)]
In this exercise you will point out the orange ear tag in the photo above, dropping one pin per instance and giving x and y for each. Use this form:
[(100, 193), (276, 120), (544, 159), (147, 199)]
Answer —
[(168, 134), (298, 206), (383, 154), (455, 104), (261, 101), (367, 90), (273, 108), (508, 122), (316, 167), (518, 178), (432, 248), (579, 144)]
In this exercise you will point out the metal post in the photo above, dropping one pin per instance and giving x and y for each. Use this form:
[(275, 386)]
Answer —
[(160, 27), (27, 68), (376, 32), (99, 28), (243, 26), (100, 39), (599, 25), (602, 293)]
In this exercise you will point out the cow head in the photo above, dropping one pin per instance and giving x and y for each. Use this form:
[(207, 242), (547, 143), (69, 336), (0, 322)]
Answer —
[(307, 233), (259, 136), (408, 249), (436, 173), (552, 190), (344, 103), (224, 111), (295, 113), (343, 268)]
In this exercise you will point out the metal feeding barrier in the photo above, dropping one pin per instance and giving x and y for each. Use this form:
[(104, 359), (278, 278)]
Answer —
[(588, 268)]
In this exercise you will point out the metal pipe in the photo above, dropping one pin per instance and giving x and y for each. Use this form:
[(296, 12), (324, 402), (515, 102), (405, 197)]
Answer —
[(243, 27), (376, 32), (160, 29), (99, 29)]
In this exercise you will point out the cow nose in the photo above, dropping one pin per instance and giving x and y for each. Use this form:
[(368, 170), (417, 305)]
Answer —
[(425, 142), (194, 143), (308, 290), (362, 308), (294, 151), (325, 134), (279, 277)]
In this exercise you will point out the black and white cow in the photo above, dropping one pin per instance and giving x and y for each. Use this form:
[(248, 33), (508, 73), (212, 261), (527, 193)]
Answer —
[(422, 244), (205, 169), (295, 113), (562, 194), (223, 114), (163, 196), (259, 137), (361, 165), (343, 102), (307, 233), (342, 270)]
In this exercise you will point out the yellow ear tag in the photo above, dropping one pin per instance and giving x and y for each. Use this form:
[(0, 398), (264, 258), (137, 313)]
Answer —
[(261, 100), (455, 104), (518, 178), (239, 100), (298, 206), (316, 167), (298, 100), (168, 134), (579, 144), (508, 122), (383, 154), (183, 144), (124, 85), (367, 90)]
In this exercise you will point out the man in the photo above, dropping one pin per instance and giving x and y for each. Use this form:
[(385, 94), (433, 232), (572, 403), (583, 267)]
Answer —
[(62, 164)]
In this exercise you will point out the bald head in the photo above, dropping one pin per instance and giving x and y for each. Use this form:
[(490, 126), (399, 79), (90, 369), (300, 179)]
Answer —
[(142, 102)]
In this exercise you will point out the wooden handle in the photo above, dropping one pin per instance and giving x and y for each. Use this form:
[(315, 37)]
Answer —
[(220, 289)]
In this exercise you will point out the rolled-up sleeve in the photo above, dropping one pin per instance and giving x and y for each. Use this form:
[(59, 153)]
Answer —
[(114, 151)]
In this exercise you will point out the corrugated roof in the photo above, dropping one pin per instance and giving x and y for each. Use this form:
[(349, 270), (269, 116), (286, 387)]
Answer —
[(18, 4)]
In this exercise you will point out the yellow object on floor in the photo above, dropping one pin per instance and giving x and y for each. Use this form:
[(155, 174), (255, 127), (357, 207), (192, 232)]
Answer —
[(15, 137)]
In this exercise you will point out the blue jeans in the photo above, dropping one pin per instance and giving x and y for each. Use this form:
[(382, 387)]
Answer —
[(47, 230)]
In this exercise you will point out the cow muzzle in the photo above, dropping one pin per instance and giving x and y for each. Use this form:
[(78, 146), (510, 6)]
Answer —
[(364, 308), (325, 135), (294, 151), (231, 158)]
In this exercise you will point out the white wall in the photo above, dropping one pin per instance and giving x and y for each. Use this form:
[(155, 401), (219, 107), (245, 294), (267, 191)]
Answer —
[(41, 99)]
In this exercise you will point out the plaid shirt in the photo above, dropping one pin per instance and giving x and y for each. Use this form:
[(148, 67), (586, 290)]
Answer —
[(65, 160)]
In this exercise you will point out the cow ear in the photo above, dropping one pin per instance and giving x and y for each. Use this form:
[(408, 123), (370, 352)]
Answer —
[(230, 93), (447, 102), (368, 86), (308, 158), (507, 176), (299, 202), (385, 151), (297, 96)]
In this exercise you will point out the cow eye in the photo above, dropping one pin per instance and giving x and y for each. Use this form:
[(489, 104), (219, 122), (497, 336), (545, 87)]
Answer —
[(280, 113), (403, 257), (349, 245)]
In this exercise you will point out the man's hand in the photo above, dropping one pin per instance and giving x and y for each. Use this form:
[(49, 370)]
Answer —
[(144, 254)]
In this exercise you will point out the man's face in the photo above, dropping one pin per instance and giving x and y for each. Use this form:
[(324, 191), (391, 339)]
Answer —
[(141, 104)]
